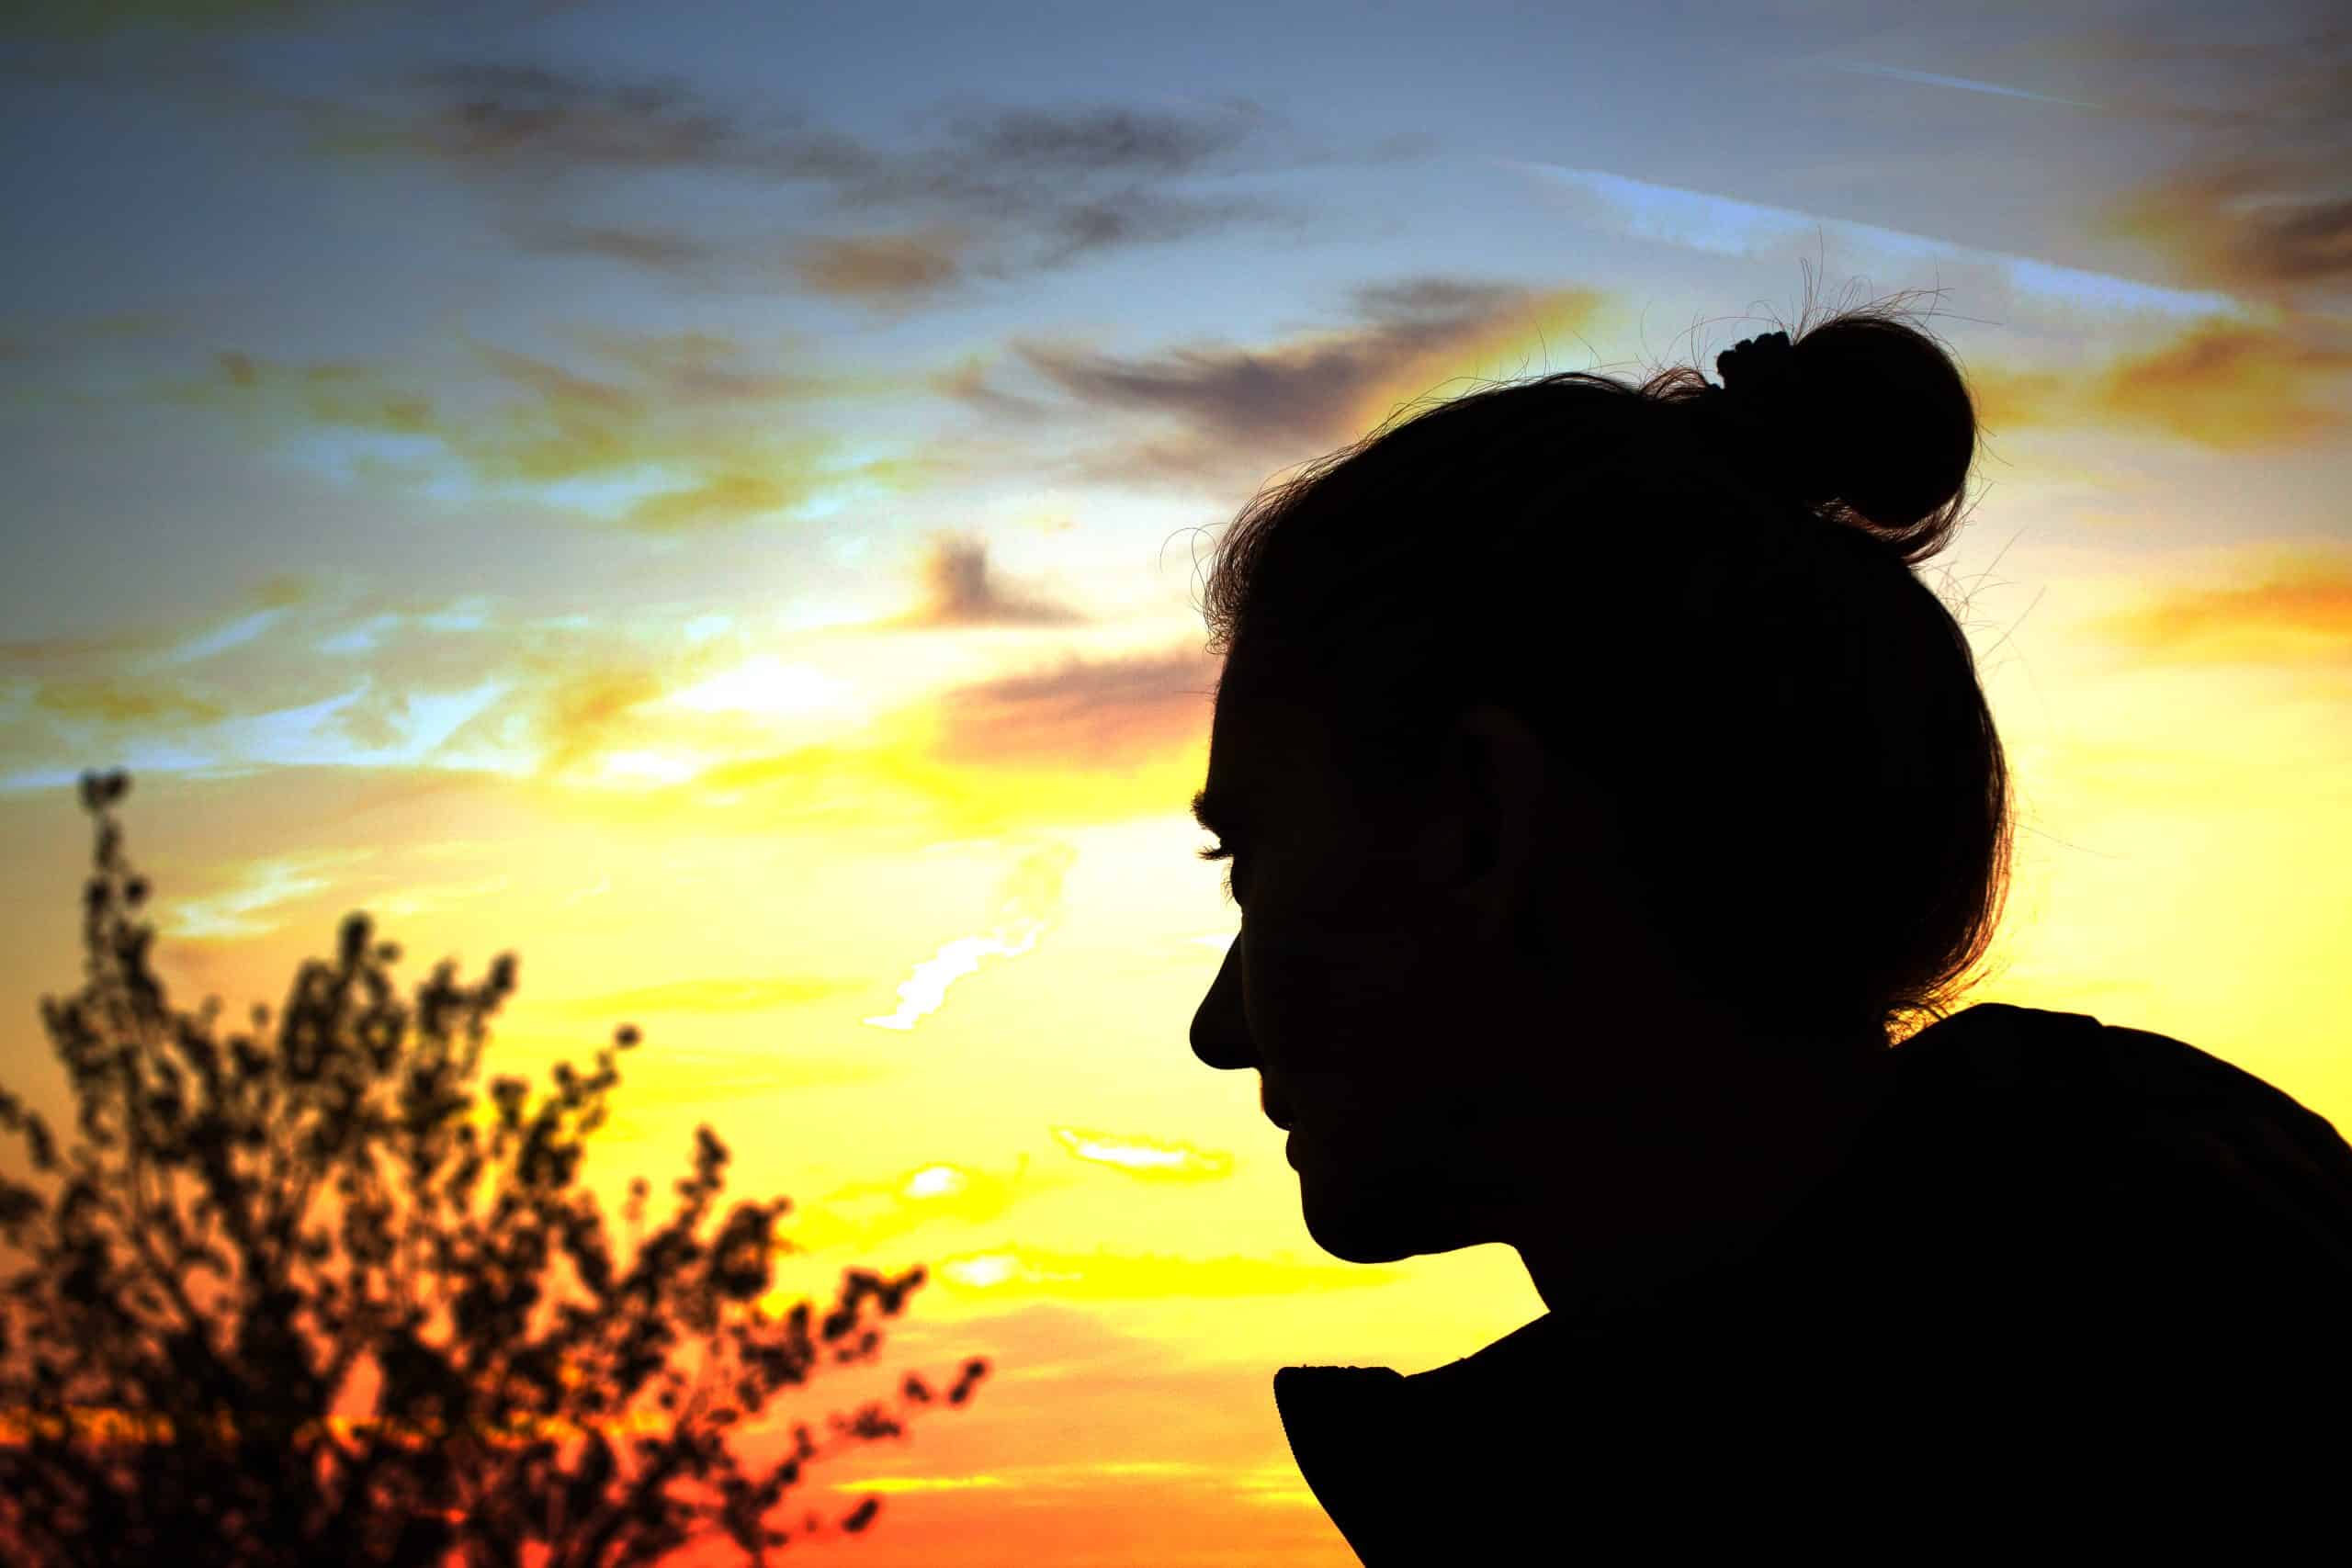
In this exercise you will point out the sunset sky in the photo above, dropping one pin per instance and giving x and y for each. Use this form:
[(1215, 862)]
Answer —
[(712, 499)]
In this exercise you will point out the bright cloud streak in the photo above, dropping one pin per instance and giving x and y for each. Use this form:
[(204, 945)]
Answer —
[(935, 1182), (1927, 78), (237, 913), (237, 632), (922, 995), (1031, 896), (1725, 225), (1143, 1157)]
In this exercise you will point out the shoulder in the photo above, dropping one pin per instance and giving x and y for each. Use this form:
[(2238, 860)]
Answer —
[(2134, 1165), (2110, 1091), (1999, 1047)]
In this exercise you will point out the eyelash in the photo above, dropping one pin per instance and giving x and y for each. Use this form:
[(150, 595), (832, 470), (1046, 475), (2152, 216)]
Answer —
[(1221, 852)]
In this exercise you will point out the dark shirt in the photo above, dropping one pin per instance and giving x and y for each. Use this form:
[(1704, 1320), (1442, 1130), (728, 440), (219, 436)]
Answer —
[(2076, 1286)]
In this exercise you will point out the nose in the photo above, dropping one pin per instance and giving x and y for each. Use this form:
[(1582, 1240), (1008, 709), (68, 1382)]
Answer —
[(1220, 1032)]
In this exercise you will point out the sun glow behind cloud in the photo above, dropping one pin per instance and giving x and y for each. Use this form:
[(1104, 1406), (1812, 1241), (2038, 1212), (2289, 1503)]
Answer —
[(770, 687)]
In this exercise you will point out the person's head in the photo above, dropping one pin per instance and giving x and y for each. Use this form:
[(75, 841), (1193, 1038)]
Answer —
[(1601, 783)]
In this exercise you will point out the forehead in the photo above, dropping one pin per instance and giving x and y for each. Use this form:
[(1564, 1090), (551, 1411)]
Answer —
[(1232, 783), (1260, 743)]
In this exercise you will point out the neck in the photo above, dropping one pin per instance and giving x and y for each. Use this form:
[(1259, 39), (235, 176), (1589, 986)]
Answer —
[(1735, 1165)]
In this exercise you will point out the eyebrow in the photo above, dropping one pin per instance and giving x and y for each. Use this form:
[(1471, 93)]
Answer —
[(1214, 813)]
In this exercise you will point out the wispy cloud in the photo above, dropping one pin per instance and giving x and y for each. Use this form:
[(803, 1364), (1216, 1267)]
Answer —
[(1145, 1157), (671, 433), (1727, 225), (957, 588), (656, 250), (410, 900), (496, 112), (2213, 70), (1240, 411), (1107, 1275), (123, 700), (882, 267), (2297, 610), (1930, 79), (2270, 226), (257, 901), (1031, 904), (866, 1214), (1087, 715), (2224, 385), (460, 686), (997, 191)]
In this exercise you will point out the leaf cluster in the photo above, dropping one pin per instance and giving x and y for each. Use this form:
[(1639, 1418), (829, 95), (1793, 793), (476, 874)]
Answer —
[(253, 1234)]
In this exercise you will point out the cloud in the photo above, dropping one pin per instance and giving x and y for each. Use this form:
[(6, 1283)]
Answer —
[(1717, 224), (1930, 79), (1239, 410), (881, 267), (1105, 1275), (2225, 385), (257, 902), (691, 367), (113, 700), (654, 249), (275, 687), (415, 899), (1101, 740), (1100, 141), (999, 191), (668, 434), (343, 394), (2263, 79), (2270, 226), (721, 498), (1140, 216), (2257, 203), (958, 591), (967, 382), (2229, 385), (1102, 713), (27, 653), (2298, 610), (866, 1214), (456, 686), (515, 113), (1144, 1157), (580, 711)]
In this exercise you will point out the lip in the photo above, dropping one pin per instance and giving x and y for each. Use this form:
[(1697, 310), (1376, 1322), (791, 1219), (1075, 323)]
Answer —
[(1280, 1115)]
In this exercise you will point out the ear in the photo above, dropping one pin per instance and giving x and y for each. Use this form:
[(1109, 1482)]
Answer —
[(1501, 780)]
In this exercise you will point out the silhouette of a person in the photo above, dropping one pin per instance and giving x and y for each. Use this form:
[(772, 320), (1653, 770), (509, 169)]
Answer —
[(1604, 794)]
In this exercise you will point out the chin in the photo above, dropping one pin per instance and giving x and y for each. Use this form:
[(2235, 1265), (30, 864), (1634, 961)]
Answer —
[(1351, 1247), (1359, 1227)]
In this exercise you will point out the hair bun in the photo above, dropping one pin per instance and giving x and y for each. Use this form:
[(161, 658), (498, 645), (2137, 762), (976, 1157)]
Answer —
[(1876, 414)]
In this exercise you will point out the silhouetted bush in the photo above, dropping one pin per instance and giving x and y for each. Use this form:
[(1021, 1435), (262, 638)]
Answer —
[(173, 1355)]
